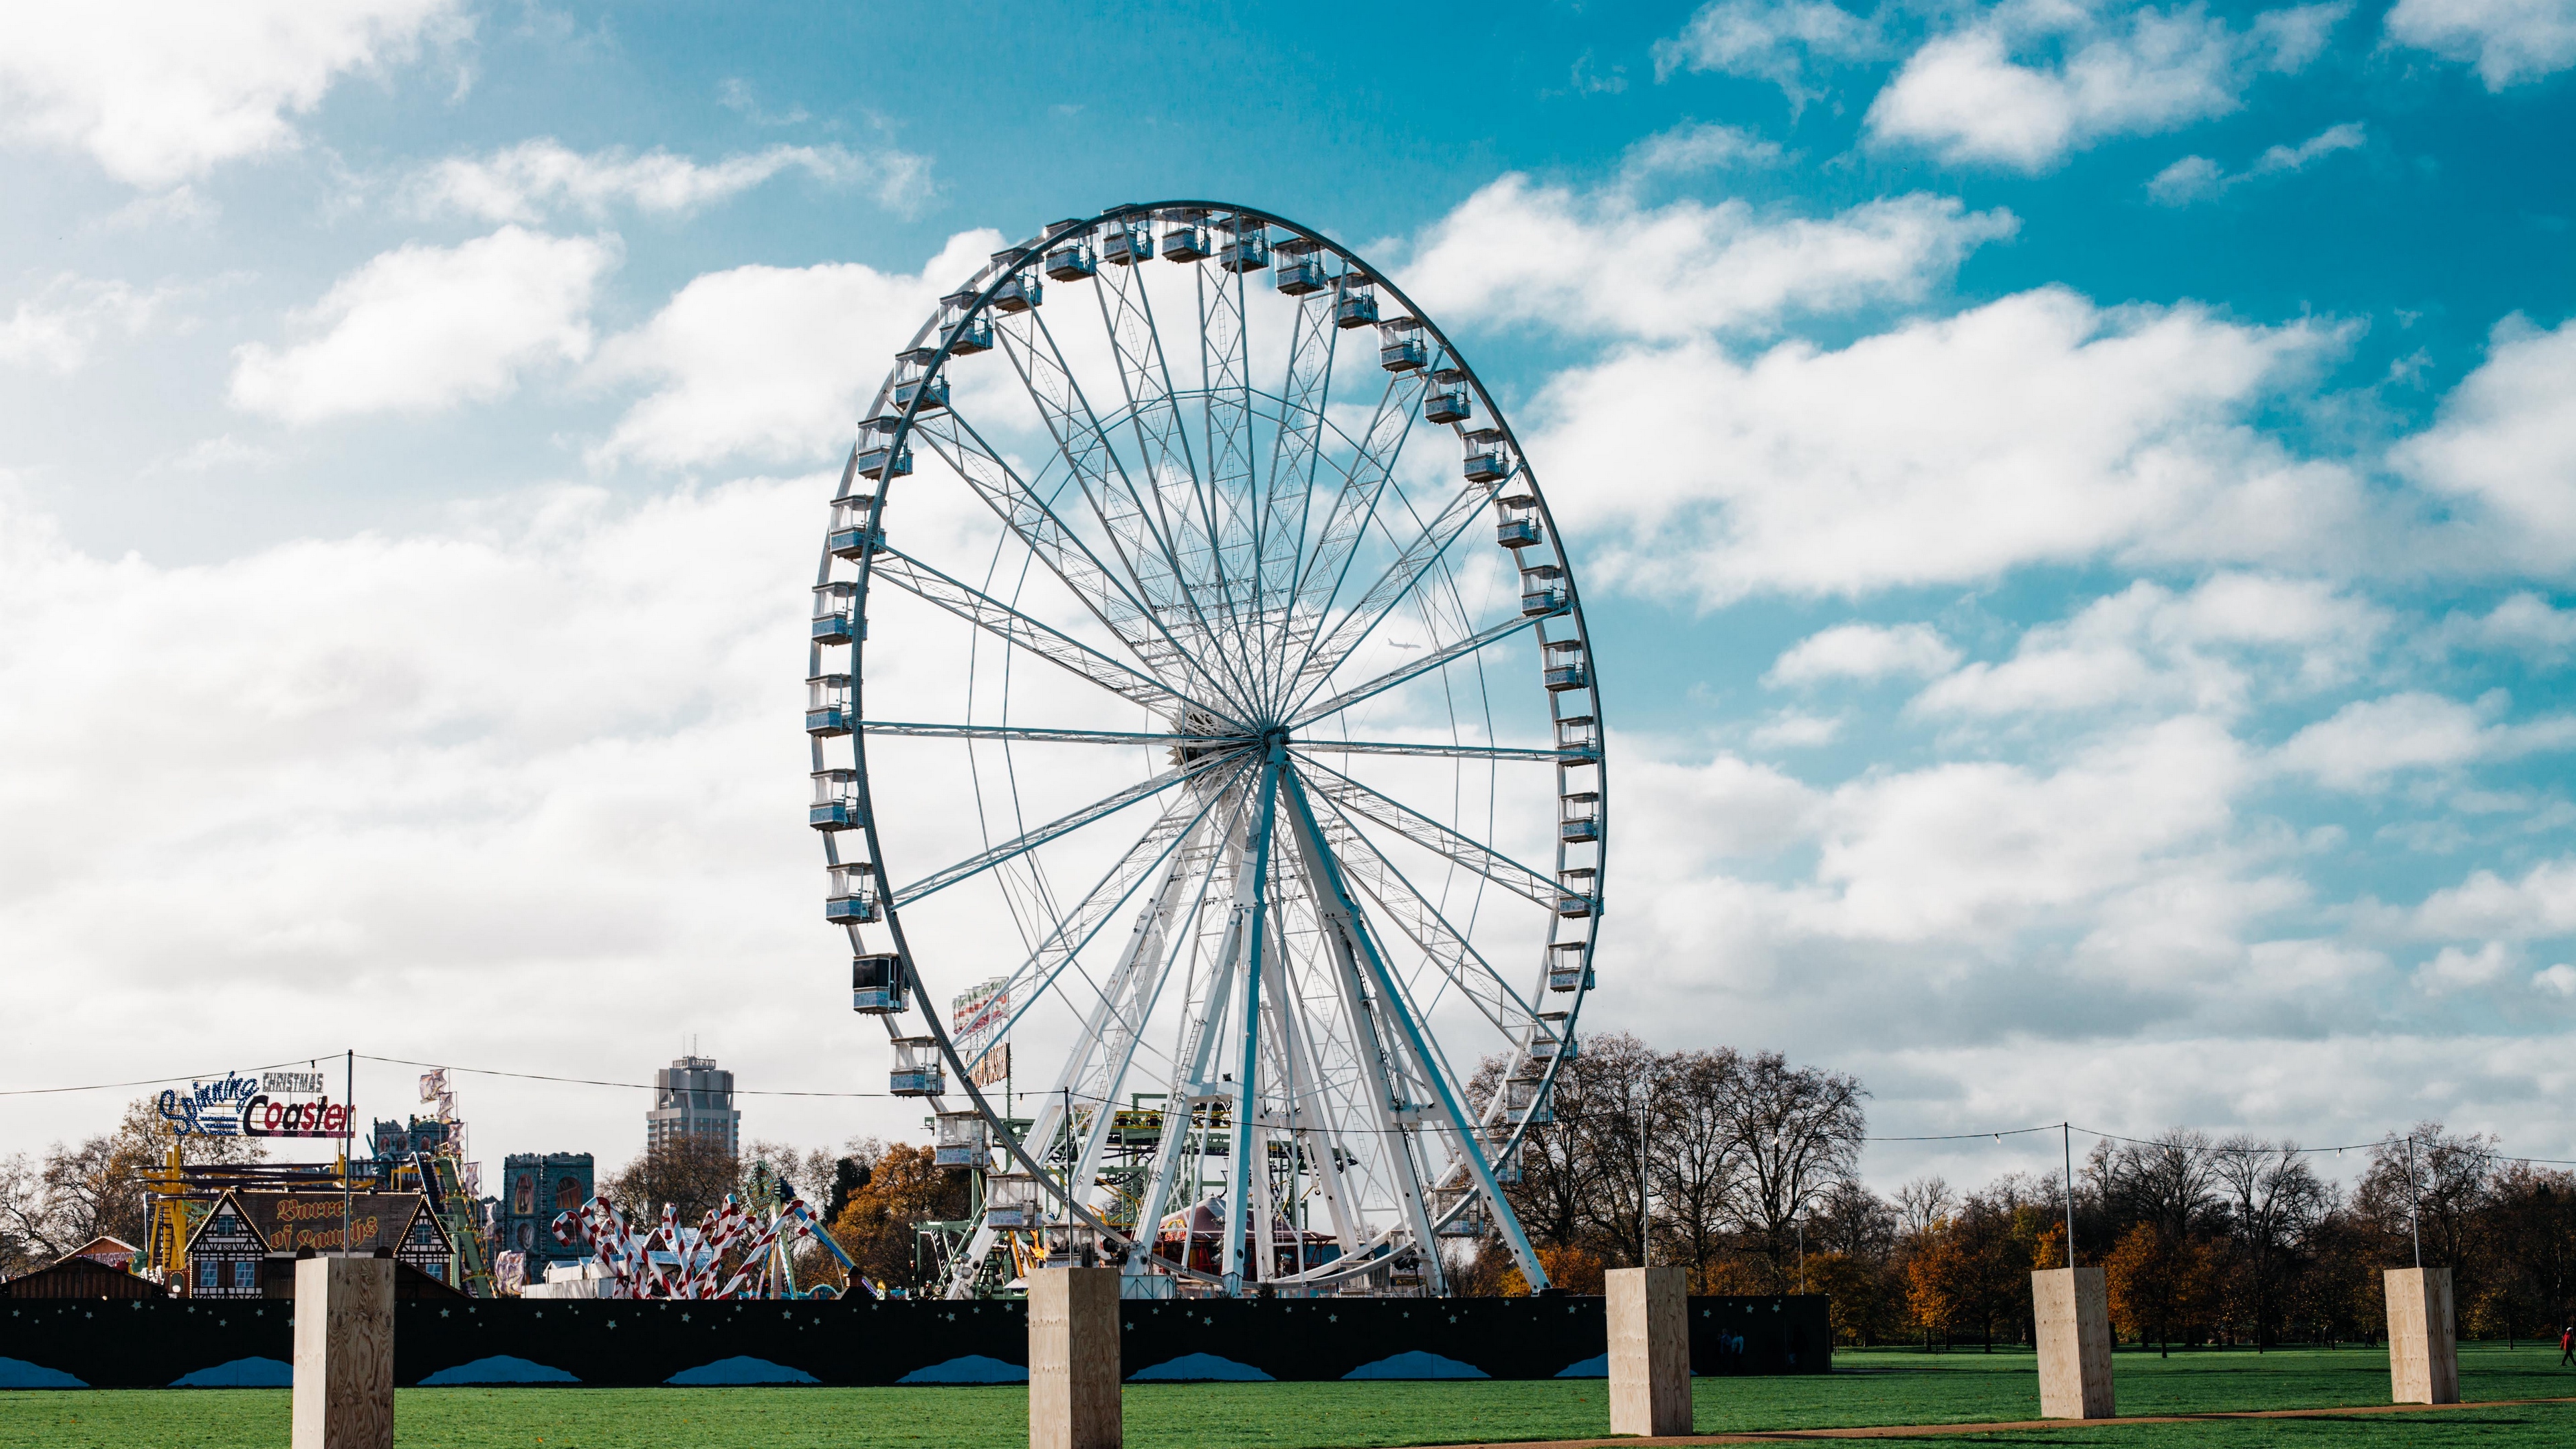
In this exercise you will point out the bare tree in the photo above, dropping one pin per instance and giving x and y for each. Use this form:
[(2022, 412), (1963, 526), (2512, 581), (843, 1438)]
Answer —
[(1795, 1130), (690, 1172), (1693, 1154), (1923, 1203), (2273, 1200)]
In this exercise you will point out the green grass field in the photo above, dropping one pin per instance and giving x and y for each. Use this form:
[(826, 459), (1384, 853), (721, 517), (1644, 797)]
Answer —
[(1866, 1388)]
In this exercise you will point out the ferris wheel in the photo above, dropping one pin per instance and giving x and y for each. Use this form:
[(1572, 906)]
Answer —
[(1200, 701)]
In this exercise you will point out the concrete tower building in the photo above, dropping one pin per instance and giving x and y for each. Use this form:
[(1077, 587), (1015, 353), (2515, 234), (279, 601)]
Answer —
[(693, 1098)]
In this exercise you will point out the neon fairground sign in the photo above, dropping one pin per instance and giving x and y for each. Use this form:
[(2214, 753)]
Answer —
[(276, 1104)]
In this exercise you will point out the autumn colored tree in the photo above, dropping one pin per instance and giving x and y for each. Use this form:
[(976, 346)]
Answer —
[(876, 1225)]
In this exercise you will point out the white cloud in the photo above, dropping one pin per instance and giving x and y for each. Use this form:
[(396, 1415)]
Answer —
[(1792, 729), (2559, 979), (2539, 906), (524, 182), (59, 327), (2453, 969), (1979, 850), (1866, 652), (422, 328), (552, 742), (2504, 445), (160, 92), (2368, 741), (2037, 428), (1966, 97), (1518, 252), (771, 362), (1769, 41), (2197, 178), (2523, 623), (1697, 146), (2511, 41), (2213, 649)]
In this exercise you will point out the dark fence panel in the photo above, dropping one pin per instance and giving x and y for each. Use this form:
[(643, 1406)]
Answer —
[(128, 1344)]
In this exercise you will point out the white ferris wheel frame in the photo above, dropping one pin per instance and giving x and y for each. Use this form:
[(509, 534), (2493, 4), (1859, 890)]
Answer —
[(1235, 723)]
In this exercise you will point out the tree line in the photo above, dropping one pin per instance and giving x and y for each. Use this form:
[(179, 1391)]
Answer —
[(1742, 1168)]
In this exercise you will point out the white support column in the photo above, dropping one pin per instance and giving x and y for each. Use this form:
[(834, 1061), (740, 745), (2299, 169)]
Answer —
[(344, 1353), (1074, 1371), (2423, 1357), (2072, 1312), (1650, 1377)]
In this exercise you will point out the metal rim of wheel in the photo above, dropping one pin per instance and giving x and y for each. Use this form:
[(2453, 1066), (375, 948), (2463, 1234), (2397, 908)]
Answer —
[(1232, 562)]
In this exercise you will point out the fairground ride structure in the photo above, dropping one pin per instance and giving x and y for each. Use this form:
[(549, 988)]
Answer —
[(1178, 693)]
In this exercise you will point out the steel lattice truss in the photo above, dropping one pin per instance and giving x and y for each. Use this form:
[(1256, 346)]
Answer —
[(1191, 695)]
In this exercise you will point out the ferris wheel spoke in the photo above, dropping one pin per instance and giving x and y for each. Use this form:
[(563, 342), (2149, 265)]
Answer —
[(1162, 842), (1162, 442), (938, 881), (1412, 669), (1002, 620), (1364, 480), (1225, 365), (1441, 942), (1138, 532), (1297, 446), (1333, 645), (1463, 752), (1030, 734), (1132, 621), (1386, 811)]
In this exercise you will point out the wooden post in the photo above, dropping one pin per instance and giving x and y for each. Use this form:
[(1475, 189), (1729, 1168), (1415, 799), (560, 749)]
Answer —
[(344, 1353), (1650, 1387), (2423, 1357), (2072, 1312), (1073, 1359)]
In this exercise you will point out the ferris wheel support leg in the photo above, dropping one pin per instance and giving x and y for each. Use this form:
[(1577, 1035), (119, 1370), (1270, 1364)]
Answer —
[(1334, 908), (1390, 991), (1246, 1095)]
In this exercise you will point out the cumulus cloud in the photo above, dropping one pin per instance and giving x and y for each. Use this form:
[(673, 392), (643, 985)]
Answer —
[(2523, 623), (2037, 428), (156, 93), (2197, 178), (2368, 741), (2212, 649), (1697, 146), (524, 183), (422, 328), (1767, 40), (1515, 251), (2453, 969), (2539, 905), (770, 362), (551, 742), (1865, 652), (1971, 96), (2504, 446), (2512, 42), (59, 328)]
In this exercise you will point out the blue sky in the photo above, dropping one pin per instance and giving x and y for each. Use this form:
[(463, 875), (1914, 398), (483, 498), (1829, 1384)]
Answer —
[(2078, 503)]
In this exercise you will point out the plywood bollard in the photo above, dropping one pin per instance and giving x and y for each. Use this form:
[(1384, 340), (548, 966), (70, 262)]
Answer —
[(1073, 1359), (344, 1353), (2423, 1357), (1650, 1388), (2072, 1311)]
